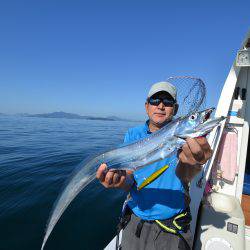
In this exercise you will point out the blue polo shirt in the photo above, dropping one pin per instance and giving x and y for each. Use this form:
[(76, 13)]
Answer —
[(164, 197)]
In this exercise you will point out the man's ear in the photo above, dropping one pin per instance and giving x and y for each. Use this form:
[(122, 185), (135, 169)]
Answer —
[(146, 107), (176, 107)]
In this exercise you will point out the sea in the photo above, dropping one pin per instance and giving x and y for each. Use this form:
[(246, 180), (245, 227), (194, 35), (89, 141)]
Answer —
[(37, 158)]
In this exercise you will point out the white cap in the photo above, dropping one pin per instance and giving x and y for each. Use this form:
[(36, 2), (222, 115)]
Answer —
[(163, 86)]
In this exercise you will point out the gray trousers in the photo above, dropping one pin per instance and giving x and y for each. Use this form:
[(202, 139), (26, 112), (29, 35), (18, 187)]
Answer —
[(152, 237)]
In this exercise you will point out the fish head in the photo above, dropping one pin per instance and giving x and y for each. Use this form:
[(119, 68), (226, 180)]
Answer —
[(197, 124)]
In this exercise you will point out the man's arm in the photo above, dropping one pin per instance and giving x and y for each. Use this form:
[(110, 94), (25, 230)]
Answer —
[(195, 152)]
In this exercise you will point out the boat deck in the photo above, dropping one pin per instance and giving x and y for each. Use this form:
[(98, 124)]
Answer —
[(245, 204)]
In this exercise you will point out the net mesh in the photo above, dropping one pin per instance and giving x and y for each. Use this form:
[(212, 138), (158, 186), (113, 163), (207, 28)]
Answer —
[(191, 94)]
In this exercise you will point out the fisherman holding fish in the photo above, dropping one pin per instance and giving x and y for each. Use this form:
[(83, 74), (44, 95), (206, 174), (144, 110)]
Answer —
[(155, 164), (156, 214)]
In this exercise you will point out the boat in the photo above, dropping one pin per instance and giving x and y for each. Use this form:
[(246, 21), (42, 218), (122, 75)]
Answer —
[(220, 193)]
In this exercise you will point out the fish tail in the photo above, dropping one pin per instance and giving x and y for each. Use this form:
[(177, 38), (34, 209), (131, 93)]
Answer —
[(80, 180)]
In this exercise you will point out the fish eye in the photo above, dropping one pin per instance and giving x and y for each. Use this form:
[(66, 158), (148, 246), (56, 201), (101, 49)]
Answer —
[(193, 117)]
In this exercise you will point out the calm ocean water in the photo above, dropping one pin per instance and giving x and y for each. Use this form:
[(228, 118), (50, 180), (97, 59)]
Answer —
[(37, 156)]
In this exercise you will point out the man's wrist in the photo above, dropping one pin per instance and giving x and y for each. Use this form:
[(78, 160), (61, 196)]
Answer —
[(186, 172), (129, 182), (197, 166)]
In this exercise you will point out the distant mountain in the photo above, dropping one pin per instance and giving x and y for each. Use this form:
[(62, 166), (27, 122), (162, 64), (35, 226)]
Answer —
[(75, 116), (115, 118), (57, 115)]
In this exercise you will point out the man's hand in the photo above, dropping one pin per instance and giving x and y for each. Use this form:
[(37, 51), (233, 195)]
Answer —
[(195, 152), (114, 178)]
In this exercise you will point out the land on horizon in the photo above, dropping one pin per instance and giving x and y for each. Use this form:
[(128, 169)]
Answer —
[(66, 115)]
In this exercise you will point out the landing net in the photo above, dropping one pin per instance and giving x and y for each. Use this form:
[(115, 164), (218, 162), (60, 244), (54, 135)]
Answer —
[(191, 94)]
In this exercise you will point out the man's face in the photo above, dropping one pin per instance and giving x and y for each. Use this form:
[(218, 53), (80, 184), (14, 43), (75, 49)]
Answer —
[(160, 114)]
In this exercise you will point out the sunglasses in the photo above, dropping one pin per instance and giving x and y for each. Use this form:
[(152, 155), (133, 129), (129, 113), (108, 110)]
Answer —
[(156, 101)]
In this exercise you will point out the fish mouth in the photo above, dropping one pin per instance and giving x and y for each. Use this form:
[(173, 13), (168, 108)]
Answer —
[(207, 113)]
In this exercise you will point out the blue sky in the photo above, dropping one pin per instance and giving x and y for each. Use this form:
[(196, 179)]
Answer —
[(100, 57)]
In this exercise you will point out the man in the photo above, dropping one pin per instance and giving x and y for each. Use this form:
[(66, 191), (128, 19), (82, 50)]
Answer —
[(154, 210)]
